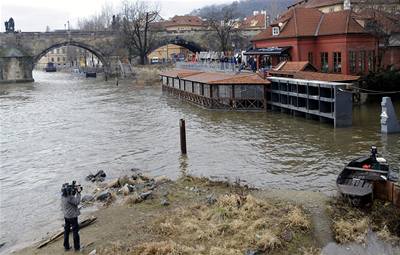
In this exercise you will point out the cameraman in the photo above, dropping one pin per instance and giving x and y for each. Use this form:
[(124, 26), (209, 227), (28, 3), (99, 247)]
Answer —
[(70, 199)]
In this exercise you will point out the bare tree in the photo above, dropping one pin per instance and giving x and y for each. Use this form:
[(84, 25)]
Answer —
[(379, 22), (72, 55), (137, 36), (223, 23), (98, 22)]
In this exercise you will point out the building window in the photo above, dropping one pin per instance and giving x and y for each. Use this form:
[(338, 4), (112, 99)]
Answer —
[(310, 57), (63, 59), (352, 61), (275, 31), (337, 62), (361, 61), (371, 61), (324, 62), (58, 51), (58, 59), (52, 59)]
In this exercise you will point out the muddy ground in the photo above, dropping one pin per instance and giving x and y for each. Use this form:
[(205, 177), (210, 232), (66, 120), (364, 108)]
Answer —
[(199, 216), (203, 217)]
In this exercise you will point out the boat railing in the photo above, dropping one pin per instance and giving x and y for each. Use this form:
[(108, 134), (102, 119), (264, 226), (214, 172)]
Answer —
[(209, 66)]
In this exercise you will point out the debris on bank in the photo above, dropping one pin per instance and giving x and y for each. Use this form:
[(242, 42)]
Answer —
[(352, 224), (133, 188), (209, 217)]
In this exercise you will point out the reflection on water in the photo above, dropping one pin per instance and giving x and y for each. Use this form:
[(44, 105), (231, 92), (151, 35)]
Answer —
[(63, 127)]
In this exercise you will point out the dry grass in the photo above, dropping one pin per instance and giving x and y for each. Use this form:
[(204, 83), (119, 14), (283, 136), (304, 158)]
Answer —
[(232, 225), (351, 230), (351, 223), (297, 219)]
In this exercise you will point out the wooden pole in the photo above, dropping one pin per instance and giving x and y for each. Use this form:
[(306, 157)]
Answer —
[(183, 135)]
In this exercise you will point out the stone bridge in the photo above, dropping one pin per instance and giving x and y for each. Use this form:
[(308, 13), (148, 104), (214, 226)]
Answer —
[(19, 52)]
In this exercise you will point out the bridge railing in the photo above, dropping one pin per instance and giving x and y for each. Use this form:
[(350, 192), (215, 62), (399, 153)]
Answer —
[(209, 66)]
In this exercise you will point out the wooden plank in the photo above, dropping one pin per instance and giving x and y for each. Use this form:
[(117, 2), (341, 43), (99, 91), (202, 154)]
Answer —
[(366, 170), (56, 236)]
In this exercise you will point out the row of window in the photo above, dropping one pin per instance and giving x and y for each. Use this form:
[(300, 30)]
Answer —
[(58, 59), (361, 59), (358, 61), (62, 51)]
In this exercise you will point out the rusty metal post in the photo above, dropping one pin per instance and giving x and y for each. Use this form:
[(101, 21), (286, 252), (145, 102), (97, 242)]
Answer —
[(183, 135)]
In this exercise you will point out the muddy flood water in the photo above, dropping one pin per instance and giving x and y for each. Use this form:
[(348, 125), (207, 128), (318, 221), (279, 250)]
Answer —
[(63, 127)]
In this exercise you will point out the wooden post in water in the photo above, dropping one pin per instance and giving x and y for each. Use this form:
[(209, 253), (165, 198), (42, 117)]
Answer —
[(183, 135)]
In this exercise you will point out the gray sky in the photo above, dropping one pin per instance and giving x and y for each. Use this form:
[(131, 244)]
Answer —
[(35, 15)]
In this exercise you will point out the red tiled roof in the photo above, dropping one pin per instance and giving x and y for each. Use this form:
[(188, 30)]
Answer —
[(340, 22), (300, 22), (254, 21), (294, 66), (216, 78), (245, 79), (180, 73), (317, 76), (184, 21)]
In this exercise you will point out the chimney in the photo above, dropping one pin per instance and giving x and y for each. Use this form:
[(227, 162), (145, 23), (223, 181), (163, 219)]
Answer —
[(346, 5), (255, 13)]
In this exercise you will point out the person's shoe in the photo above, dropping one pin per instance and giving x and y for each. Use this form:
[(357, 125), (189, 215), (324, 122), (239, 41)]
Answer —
[(67, 249)]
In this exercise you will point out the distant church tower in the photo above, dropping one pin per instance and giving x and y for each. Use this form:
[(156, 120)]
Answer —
[(346, 5)]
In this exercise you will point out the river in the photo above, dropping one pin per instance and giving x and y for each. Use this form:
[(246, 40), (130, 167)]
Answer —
[(63, 127)]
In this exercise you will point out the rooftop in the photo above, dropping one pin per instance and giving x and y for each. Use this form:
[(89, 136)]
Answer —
[(317, 76), (184, 21), (253, 21), (294, 66), (301, 22), (217, 78)]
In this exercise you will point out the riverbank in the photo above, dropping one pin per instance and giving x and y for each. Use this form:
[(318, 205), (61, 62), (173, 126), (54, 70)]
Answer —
[(194, 216), (142, 215)]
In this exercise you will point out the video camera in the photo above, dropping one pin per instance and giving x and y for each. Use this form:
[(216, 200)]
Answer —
[(71, 189)]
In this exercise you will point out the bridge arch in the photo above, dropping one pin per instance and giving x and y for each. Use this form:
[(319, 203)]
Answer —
[(98, 53), (190, 45)]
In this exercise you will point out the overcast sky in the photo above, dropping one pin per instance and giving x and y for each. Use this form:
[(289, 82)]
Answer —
[(35, 15)]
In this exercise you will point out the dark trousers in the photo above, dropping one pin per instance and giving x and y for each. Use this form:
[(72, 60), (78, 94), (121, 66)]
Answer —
[(72, 222)]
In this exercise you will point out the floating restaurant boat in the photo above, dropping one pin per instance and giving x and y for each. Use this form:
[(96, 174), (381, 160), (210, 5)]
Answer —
[(91, 74), (50, 67), (366, 178)]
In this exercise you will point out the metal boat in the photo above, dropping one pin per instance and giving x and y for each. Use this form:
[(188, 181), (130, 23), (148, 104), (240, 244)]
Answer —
[(359, 177)]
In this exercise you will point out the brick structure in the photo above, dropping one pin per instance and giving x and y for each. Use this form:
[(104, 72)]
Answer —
[(184, 23), (332, 42)]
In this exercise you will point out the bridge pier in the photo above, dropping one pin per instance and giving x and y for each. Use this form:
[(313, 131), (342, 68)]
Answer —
[(15, 66)]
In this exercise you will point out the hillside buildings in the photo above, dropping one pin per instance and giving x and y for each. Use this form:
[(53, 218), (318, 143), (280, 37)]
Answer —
[(389, 6)]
